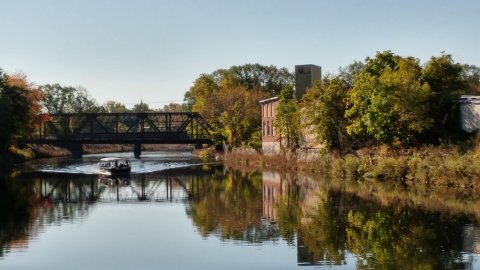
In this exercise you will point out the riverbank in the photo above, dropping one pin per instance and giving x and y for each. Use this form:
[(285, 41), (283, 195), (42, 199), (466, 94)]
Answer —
[(434, 179), (29, 152), (449, 166)]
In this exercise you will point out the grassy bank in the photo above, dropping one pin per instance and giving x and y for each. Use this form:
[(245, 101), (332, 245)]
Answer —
[(445, 166)]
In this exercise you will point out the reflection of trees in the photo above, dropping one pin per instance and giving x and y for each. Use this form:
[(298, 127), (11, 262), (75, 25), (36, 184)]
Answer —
[(383, 237), (321, 233), (16, 213), (232, 208), (25, 210)]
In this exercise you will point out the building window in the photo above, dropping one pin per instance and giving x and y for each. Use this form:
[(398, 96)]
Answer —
[(268, 128)]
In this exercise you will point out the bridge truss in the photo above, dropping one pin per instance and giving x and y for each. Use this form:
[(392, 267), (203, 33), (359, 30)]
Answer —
[(124, 128)]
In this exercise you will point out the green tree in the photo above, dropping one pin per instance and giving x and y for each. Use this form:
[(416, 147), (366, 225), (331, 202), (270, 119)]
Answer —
[(471, 76), (348, 73), (388, 101), (202, 88), (141, 107), (323, 108), (175, 107), (67, 99), (114, 107), (287, 120), (267, 78), (444, 77)]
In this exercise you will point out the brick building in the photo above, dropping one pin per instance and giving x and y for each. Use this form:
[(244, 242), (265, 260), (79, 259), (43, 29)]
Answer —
[(305, 77), (270, 139)]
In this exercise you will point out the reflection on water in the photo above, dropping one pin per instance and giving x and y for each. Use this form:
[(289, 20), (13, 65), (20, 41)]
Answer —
[(324, 225)]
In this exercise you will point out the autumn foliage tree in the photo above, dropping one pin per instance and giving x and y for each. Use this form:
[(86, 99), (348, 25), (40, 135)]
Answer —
[(228, 100), (234, 114), (35, 97), (14, 112)]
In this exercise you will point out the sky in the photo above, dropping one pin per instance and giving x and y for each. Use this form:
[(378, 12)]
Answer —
[(153, 50)]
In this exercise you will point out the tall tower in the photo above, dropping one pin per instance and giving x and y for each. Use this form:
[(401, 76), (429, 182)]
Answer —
[(305, 77)]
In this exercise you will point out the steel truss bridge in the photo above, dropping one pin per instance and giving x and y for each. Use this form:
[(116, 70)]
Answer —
[(71, 130)]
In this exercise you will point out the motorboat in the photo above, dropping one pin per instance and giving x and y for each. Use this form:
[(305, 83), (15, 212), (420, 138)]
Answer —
[(114, 166)]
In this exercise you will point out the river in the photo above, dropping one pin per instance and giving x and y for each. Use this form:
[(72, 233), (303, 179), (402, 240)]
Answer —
[(178, 212)]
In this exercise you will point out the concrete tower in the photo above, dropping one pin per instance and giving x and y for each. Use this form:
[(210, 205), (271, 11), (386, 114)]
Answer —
[(305, 77)]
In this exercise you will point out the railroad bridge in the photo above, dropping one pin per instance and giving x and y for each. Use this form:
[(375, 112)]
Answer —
[(72, 130)]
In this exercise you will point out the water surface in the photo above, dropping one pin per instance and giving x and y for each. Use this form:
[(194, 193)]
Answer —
[(177, 212)]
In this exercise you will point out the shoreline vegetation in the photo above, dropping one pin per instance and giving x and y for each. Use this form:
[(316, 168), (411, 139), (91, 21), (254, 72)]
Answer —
[(30, 152), (435, 179), (449, 166)]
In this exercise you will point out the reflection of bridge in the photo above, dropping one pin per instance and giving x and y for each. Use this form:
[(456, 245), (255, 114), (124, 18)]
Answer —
[(161, 189), (73, 130)]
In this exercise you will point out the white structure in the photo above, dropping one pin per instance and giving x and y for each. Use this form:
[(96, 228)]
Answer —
[(470, 113)]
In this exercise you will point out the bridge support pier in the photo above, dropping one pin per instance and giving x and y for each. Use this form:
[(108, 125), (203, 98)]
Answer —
[(137, 150), (75, 148)]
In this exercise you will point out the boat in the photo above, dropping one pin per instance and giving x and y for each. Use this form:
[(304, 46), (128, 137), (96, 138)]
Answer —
[(114, 166)]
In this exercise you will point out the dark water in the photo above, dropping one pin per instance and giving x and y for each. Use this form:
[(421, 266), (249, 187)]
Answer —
[(60, 214)]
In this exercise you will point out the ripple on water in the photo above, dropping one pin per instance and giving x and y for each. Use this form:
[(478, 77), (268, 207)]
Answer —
[(88, 164), (137, 168)]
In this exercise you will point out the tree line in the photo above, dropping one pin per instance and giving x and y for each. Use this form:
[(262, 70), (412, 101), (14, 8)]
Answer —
[(387, 99)]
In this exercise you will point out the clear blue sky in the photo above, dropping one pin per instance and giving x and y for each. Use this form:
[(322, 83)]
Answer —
[(154, 49)]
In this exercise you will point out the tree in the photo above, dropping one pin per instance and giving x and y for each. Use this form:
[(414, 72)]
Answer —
[(228, 99), (202, 88), (389, 101), (323, 108), (444, 77), (141, 107), (34, 97), (14, 112), (67, 99), (234, 114), (471, 76), (287, 119), (269, 79), (114, 107), (348, 73), (175, 107)]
